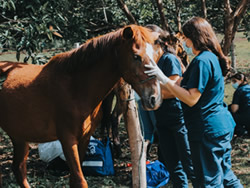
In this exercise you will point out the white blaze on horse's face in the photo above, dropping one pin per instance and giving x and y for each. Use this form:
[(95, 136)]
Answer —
[(150, 52), (154, 99)]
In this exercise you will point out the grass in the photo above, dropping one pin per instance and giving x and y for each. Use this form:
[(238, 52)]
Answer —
[(242, 52)]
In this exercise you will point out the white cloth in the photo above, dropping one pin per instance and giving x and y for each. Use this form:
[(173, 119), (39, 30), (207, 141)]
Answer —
[(50, 150)]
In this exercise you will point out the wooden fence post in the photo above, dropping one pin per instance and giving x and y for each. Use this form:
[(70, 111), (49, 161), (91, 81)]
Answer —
[(137, 144)]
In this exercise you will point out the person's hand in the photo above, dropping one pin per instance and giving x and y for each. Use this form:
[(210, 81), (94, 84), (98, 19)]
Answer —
[(154, 70)]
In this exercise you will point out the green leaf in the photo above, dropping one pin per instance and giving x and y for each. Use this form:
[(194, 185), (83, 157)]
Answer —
[(18, 55), (13, 5), (61, 17), (26, 59)]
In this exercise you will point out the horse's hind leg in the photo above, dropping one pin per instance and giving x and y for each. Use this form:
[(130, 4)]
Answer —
[(21, 151)]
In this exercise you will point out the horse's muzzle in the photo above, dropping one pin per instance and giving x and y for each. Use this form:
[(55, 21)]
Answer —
[(152, 101)]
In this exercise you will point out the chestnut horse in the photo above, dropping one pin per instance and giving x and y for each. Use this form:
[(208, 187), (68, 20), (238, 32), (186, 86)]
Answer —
[(111, 118), (62, 99)]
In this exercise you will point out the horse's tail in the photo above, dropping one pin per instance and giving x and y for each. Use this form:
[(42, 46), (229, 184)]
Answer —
[(2, 79), (107, 111)]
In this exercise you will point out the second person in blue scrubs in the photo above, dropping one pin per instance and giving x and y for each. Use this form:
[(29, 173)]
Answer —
[(173, 140)]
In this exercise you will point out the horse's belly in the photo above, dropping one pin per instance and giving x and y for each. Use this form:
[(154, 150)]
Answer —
[(27, 118), (28, 129)]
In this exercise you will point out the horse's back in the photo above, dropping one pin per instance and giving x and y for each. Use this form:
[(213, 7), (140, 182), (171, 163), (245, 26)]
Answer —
[(19, 73)]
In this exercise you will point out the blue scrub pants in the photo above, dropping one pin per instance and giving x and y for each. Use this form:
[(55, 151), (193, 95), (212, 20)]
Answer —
[(212, 162), (147, 121), (175, 151)]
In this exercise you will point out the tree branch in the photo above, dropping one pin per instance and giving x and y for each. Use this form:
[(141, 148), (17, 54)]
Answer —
[(125, 9), (232, 21), (227, 8), (164, 22), (242, 6)]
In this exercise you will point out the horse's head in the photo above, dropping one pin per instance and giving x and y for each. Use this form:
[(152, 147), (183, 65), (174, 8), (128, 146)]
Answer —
[(139, 48)]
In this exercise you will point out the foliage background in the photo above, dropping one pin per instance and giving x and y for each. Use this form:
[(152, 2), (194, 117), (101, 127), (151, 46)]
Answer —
[(32, 26)]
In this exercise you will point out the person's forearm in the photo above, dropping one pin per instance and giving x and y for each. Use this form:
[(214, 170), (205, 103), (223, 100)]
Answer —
[(166, 94), (184, 95)]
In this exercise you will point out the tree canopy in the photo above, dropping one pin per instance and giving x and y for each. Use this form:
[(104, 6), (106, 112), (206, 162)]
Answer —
[(32, 26)]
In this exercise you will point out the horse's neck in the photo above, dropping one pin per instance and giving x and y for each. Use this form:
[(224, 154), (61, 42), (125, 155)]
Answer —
[(98, 81), (92, 75)]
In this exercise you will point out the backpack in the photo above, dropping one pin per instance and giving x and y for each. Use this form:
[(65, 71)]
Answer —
[(157, 174), (98, 159)]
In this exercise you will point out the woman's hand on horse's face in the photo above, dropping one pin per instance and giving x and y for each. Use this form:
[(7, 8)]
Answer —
[(154, 70)]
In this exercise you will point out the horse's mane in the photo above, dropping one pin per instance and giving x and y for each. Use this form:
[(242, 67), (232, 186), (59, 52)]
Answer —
[(96, 48)]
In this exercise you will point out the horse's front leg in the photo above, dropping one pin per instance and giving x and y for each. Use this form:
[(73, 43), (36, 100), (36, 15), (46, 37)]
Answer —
[(82, 147), (21, 151), (70, 150)]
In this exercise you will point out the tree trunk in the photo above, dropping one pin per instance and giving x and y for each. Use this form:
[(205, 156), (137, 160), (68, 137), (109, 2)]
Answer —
[(137, 144), (164, 22), (204, 8), (232, 21), (233, 57), (128, 14), (178, 13)]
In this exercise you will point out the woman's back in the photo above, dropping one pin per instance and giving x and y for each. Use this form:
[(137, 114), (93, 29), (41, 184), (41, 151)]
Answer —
[(204, 73)]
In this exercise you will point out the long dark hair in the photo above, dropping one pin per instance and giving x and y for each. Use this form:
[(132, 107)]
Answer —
[(163, 38), (201, 33)]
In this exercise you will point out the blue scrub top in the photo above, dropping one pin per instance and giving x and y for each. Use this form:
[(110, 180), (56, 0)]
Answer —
[(170, 112), (210, 114), (242, 98)]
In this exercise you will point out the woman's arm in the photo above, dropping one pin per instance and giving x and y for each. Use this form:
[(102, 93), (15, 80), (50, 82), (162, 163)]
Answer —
[(189, 97), (234, 108), (166, 94)]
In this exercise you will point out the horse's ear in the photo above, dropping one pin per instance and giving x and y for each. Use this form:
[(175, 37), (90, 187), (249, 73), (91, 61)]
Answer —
[(179, 35), (127, 33)]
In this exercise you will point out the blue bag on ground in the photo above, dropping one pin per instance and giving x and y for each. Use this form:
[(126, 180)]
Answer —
[(98, 159), (157, 174)]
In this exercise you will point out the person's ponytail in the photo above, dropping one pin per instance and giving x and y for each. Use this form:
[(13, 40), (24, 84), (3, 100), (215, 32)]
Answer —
[(225, 63)]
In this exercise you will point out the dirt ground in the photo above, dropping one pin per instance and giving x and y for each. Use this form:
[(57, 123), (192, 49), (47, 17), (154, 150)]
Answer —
[(40, 177)]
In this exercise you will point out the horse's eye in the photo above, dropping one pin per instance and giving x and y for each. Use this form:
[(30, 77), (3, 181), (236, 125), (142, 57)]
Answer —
[(137, 57), (157, 42)]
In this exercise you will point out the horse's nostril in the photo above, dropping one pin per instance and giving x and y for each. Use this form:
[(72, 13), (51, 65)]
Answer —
[(152, 101)]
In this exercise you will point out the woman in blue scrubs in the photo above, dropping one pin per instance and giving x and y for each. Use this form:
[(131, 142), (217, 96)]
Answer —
[(174, 149), (209, 123), (240, 107)]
